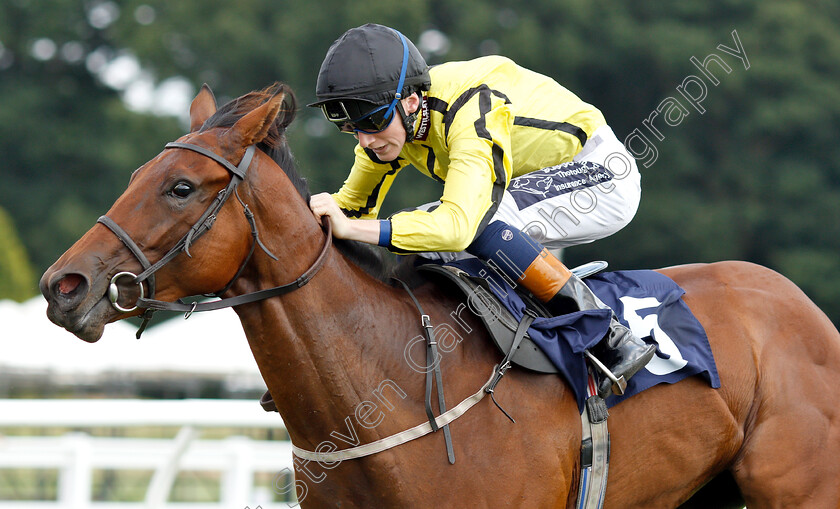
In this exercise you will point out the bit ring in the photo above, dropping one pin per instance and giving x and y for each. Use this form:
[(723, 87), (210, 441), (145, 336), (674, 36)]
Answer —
[(114, 291)]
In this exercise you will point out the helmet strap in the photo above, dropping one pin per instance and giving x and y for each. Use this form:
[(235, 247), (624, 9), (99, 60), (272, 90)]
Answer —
[(408, 121)]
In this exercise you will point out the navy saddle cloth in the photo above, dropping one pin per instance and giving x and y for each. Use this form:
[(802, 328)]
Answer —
[(646, 301)]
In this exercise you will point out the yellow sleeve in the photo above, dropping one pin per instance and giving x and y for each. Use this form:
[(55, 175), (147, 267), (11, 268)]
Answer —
[(480, 168), (362, 193)]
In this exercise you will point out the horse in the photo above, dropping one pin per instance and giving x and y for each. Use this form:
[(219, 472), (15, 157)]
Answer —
[(334, 351)]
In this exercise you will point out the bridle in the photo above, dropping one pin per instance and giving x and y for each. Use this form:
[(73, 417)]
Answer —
[(204, 223), (202, 226)]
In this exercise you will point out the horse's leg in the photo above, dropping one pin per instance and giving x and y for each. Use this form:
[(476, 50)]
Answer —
[(792, 438), (778, 357), (670, 440), (790, 455), (722, 492), (667, 442)]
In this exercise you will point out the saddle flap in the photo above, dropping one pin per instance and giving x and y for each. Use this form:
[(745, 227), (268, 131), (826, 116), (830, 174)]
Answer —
[(499, 322)]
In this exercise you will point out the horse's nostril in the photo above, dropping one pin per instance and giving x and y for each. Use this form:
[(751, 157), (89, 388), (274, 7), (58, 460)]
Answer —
[(68, 284)]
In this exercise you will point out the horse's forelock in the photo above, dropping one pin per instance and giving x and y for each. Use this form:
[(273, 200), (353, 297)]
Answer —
[(274, 144), (230, 113)]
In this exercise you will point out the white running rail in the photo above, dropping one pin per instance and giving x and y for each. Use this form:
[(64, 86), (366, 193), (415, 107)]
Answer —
[(76, 455)]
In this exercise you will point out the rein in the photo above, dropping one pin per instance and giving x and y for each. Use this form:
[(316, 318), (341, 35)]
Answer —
[(202, 226), (204, 223)]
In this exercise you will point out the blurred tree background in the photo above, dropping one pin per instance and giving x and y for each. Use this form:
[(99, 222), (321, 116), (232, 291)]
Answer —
[(17, 275), (91, 89)]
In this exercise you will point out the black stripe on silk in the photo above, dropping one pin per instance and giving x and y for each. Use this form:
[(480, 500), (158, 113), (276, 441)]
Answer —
[(374, 195), (436, 104), (449, 116), (500, 177), (498, 190), (430, 163), (550, 125)]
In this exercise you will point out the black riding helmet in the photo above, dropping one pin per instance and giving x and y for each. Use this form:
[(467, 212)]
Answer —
[(365, 73)]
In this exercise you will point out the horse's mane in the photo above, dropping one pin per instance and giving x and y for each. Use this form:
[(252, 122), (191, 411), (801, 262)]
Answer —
[(376, 261), (274, 144)]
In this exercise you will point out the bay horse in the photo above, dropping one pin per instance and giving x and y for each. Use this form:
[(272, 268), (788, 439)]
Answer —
[(333, 352)]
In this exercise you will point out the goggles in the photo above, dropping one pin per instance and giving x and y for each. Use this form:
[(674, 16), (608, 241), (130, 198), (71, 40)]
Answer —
[(353, 115)]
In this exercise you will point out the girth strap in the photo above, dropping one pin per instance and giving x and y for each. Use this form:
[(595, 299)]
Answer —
[(594, 453), (500, 370), (432, 364)]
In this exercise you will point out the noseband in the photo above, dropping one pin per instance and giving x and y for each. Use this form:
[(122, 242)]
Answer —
[(202, 226)]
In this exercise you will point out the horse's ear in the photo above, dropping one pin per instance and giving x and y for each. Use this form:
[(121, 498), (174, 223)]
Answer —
[(254, 126), (202, 107)]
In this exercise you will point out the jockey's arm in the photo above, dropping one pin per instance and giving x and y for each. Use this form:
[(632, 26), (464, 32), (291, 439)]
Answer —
[(363, 230)]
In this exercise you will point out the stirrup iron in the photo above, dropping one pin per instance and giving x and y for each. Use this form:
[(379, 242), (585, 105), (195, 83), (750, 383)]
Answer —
[(619, 383)]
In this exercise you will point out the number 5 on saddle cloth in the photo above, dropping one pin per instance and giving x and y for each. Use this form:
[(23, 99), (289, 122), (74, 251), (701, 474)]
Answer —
[(647, 302)]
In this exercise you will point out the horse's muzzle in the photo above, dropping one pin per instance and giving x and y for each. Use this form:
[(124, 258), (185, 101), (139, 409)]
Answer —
[(73, 305)]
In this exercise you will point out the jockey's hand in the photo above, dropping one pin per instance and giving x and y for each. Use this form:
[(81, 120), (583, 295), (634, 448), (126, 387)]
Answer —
[(323, 204)]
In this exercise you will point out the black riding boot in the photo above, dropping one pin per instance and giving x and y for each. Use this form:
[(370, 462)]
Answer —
[(620, 352)]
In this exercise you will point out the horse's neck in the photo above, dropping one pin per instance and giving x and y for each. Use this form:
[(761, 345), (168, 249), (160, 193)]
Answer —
[(323, 348)]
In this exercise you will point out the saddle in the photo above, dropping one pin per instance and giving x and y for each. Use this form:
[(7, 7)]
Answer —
[(511, 338), (500, 323)]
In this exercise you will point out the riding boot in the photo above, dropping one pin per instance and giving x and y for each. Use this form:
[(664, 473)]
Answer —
[(620, 353)]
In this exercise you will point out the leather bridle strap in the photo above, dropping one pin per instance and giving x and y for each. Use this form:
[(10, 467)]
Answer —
[(195, 307), (204, 223), (239, 171), (132, 246)]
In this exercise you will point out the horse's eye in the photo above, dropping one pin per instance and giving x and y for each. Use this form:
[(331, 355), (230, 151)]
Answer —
[(182, 190)]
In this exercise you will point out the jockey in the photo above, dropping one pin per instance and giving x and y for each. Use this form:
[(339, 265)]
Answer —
[(524, 164)]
